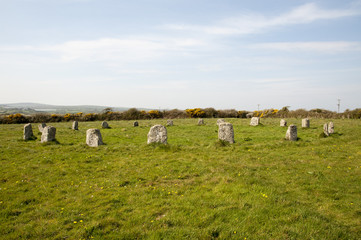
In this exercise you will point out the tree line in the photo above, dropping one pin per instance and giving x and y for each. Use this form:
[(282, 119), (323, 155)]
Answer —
[(135, 114)]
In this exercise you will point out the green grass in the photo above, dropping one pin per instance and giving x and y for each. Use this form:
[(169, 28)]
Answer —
[(261, 187)]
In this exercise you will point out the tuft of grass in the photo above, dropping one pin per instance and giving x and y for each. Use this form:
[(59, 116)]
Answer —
[(195, 187)]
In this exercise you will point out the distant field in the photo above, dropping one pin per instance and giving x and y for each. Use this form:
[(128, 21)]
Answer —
[(261, 187)]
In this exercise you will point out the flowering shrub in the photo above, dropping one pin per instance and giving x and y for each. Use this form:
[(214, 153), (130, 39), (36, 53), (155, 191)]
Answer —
[(15, 118), (195, 113), (154, 114)]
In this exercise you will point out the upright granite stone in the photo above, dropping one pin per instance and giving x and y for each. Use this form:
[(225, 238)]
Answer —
[(75, 125), (135, 124), (325, 129), (48, 134), (169, 122), (291, 133), (41, 127), (105, 124), (157, 134), (28, 132), (225, 132), (305, 123), (331, 128), (219, 121), (255, 121), (283, 123), (94, 137), (200, 121), (249, 115)]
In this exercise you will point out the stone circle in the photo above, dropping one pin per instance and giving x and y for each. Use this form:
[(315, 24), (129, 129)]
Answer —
[(28, 132), (94, 137), (283, 123), (225, 132), (48, 134), (220, 120), (325, 129), (41, 127), (291, 133), (157, 134), (331, 128), (200, 121), (105, 124), (305, 123), (255, 121), (169, 122), (75, 125)]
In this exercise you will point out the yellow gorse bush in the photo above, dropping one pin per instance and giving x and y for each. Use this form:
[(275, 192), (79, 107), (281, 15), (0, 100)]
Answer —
[(195, 112)]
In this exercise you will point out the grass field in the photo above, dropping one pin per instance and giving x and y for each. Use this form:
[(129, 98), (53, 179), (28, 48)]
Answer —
[(261, 187)]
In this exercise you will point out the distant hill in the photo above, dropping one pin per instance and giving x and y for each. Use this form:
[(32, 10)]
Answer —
[(33, 108)]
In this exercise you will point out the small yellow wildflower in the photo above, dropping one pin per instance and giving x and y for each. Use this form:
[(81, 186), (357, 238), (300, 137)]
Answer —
[(75, 222), (81, 221)]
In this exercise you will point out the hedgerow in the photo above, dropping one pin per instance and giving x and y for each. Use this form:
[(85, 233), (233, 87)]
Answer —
[(135, 114)]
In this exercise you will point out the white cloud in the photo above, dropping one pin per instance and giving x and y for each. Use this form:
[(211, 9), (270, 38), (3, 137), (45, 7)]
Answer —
[(113, 50), (254, 23), (325, 47)]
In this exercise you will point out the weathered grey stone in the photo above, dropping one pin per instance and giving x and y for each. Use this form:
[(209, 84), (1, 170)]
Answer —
[(94, 137), (249, 115), (225, 132), (75, 125), (283, 123), (291, 133), (219, 121), (200, 121), (41, 127), (105, 124), (169, 122), (48, 134), (28, 132), (305, 123), (157, 134), (135, 124), (255, 121), (331, 128), (325, 129)]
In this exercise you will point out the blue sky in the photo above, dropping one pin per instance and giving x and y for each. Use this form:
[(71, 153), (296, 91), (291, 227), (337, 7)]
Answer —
[(181, 54)]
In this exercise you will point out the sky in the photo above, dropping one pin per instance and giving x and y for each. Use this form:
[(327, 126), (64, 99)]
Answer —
[(225, 54)]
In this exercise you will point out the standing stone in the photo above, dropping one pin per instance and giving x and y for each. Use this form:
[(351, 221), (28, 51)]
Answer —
[(41, 127), (219, 121), (225, 132), (325, 129), (291, 133), (169, 122), (255, 121), (331, 128), (305, 123), (157, 134), (105, 124), (94, 137), (28, 132), (135, 124), (200, 121), (283, 123), (75, 125), (249, 115), (48, 134)]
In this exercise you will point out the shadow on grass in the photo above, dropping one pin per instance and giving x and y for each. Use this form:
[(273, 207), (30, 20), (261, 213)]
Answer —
[(33, 138), (54, 142), (221, 143)]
